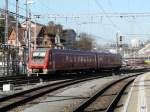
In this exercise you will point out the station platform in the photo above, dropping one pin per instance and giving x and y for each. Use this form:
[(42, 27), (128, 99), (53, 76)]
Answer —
[(138, 99)]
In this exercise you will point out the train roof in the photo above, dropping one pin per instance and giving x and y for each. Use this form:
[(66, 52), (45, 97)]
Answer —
[(76, 51), (72, 51)]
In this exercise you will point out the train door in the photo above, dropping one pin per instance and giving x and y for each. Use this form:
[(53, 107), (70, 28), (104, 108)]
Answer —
[(53, 60), (50, 61)]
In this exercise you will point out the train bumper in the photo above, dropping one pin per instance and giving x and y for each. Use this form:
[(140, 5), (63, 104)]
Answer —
[(45, 71), (38, 71)]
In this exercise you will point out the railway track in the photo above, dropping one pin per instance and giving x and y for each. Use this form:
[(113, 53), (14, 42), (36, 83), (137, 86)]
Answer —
[(18, 80), (106, 99), (12, 101), (23, 79), (17, 99)]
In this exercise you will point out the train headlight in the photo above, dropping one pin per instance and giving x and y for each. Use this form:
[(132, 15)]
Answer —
[(29, 70), (45, 71)]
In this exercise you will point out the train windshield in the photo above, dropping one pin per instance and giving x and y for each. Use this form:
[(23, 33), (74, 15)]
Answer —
[(38, 56)]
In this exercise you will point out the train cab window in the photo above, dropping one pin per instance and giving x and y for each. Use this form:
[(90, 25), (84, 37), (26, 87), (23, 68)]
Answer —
[(38, 56)]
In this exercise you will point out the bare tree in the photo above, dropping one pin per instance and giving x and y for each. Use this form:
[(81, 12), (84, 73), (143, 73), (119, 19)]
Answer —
[(85, 42)]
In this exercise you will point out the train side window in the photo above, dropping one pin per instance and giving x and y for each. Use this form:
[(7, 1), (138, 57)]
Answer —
[(100, 58), (81, 59), (62, 58), (85, 59), (71, 58), (67, 58), (74, 58), (88, 59), (55, 56), (50, 57)]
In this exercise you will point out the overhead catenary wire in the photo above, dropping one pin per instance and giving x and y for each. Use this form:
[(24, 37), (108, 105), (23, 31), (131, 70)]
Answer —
[(100, 6), (13, 13), (110, 4), (20, 8)]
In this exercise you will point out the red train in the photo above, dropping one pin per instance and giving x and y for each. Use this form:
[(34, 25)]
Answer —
[(135, 61), (45, 61)]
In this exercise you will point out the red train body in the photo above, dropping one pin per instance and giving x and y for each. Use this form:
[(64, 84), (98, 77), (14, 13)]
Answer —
[(135, 61), (52, 60)]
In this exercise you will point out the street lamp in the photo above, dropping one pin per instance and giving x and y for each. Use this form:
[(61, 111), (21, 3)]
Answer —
[(28, 23), (17, 22), (27, 33)]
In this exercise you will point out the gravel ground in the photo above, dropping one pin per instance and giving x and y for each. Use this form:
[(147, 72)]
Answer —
[(65, 100), (24, 87)]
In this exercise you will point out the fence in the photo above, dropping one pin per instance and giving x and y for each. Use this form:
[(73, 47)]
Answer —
[(10, 61)]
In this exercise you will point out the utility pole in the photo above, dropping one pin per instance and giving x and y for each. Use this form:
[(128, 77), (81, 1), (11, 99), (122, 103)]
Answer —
[(26, 54), (28, 25), (27, 37), (35, 35), (28, 29), (35, 38), (6, 22), (117, 41), (17, 43), (6, 72), (29, 33), (17, 21)]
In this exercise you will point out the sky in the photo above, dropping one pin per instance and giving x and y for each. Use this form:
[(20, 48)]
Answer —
[(103, 28)]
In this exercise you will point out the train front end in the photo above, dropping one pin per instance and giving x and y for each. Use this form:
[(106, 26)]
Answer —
[(39, 62)]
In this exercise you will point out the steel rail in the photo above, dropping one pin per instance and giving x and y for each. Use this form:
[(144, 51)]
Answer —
[(114, 103), (12, 101), (89, 101), (18, 80)]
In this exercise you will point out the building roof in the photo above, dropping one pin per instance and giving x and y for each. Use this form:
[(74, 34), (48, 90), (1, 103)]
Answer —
[(33, 29), (20, 34), (37, 29), (145, 50)]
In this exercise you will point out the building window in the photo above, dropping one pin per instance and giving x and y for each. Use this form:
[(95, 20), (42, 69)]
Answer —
[(45, 43)]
